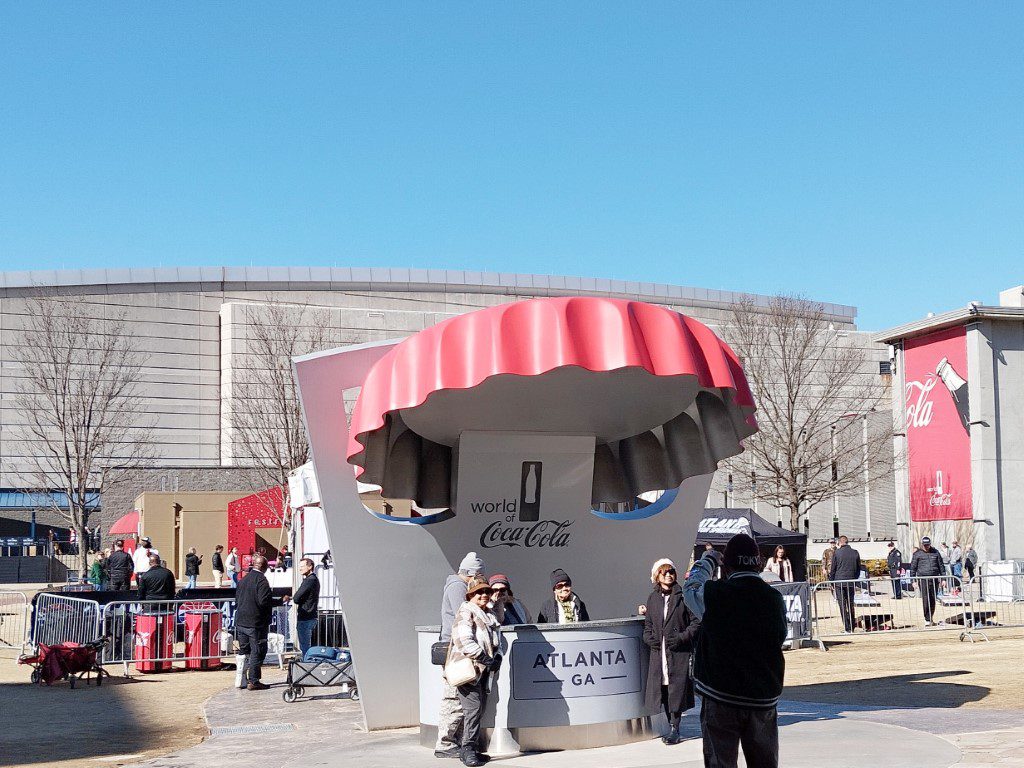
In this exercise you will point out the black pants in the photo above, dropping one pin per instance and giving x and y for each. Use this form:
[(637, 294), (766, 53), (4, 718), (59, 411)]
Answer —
[(897, 588), (252, 642), (120, 583), (725, 729), (472, 697), (844, 596), (928, 589), (673, 717)]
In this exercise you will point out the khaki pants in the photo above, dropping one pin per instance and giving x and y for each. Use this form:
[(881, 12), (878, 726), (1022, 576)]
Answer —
[(218, 579), (450, 720)]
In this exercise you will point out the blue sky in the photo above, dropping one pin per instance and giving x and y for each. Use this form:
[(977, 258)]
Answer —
[(868, 154)]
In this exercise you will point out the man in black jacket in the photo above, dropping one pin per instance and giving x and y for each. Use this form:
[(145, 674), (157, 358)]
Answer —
[(846, 570), (306, 599), (894, 561), (217, 563), (254, 602), (927, 564), (120, 567), (157, 583), (738, 666)]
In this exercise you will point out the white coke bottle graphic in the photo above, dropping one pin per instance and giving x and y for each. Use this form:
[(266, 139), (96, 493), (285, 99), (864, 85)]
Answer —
[(957, 386)]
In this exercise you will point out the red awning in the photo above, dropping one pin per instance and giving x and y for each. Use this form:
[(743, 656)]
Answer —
[(127, 525), (623, 367)]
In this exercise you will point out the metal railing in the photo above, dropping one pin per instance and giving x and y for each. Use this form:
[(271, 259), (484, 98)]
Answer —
[(330, 626), (14, 622), (917, 604), (995, 601), (154, 634), (60, 618)]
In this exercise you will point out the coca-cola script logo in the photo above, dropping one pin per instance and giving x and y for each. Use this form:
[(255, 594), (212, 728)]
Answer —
[(544, 533), (919, 405)]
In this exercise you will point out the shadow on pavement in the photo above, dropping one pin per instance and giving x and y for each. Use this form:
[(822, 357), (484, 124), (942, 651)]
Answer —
[(915, 691), (49, 724)]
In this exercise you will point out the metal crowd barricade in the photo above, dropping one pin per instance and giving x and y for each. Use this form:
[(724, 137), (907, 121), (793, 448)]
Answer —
[(878, 605), (14, 621), (330, 626), (155, 634), (996, 600), (60, 618)]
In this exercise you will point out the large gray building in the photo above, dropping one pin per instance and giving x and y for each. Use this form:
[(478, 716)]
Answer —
[(194, 324), (958, 410)]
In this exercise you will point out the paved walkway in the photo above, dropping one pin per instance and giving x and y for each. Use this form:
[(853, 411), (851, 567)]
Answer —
[(325, 731)]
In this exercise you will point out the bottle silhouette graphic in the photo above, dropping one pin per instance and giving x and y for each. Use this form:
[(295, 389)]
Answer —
[(529, 491)]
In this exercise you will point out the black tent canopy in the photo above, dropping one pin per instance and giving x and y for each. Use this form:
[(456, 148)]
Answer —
[(720, 524)]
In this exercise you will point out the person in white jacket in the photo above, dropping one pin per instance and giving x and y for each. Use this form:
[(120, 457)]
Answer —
[(779, 564), (234, 565)]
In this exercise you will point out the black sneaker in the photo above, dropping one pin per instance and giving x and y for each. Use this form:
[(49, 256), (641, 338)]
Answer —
[(672, 737), (451, 752), (470, 759), (257, 686)]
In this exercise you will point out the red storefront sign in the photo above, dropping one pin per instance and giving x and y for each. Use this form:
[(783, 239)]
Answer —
[(938, 427), (247, 515)]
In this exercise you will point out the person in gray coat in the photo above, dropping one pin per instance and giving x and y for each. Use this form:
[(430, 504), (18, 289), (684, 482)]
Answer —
[(846, 570), (450, 717)]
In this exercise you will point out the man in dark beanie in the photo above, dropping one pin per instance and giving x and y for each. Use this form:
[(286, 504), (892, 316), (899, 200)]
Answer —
[(563, 607), (738, 667)]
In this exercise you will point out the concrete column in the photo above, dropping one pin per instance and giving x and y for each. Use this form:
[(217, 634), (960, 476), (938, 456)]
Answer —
[(904, 531), (985, 481)]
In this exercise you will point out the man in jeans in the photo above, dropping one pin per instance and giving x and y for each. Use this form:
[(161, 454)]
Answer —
[(738, 664), (254, 603), (192, 563), (306, 598)]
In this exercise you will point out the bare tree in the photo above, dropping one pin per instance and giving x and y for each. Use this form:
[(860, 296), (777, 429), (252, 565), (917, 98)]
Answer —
[(825, 422), (267, 416), (79, 398)]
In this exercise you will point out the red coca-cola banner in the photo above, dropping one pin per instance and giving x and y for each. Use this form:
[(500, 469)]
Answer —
[(938, 427)]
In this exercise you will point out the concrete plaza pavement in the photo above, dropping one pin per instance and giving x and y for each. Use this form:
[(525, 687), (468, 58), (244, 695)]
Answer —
[(324, 731)]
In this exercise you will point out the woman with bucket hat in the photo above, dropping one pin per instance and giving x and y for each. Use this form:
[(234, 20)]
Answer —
[(475, 638)]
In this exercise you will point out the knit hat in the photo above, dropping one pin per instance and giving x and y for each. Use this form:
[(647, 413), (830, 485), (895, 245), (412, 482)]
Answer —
[(471, 564), (499, 578), (741, 553), (657, 565), (476, 584), (558, 576)]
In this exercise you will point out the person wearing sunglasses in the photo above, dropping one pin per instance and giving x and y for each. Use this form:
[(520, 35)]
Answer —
[(563, 607), (506, 607), (670, 631), (475, 636)]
